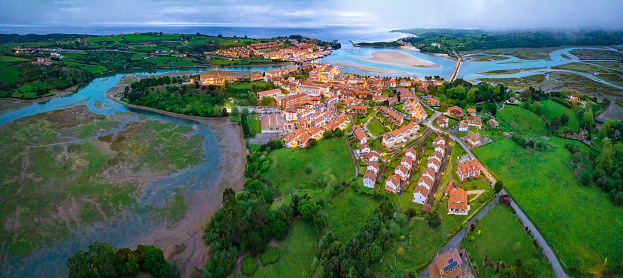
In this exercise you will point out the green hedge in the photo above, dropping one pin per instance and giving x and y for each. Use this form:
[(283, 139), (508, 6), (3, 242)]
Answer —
[(271, 256), (249, 265)]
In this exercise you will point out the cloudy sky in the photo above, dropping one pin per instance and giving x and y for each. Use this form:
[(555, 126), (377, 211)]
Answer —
[(484, 14)]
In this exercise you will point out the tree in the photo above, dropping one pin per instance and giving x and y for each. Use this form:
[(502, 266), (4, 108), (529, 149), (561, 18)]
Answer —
[(312, 142), (537, 107), (589, 121), (154, 262), (99, 261), (499, 185), (554, 124), (400, 252), (564, 119), (327, 134), (245, 112), (604, 160), (433, 219), (234, 111), (525, 94), (308, 208)]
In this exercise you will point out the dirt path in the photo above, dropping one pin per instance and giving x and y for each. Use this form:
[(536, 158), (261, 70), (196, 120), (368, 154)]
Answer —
[(477, 192)]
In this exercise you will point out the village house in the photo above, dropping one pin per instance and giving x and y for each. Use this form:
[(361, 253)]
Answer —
[(272, 123), (457, 201), (420, 193), (455, 112), (415, 110), (290, 140), (364, 148), (402, 171), (392, 184), (392, 116), (359, 109), (507, 135), (468, 169), (440, 148), (373, 166), (429, 172), (369, 179), (361, 137), (294, 100), (474, 121), (473, 138), (392, 101), (407, 162), (340, 122), (410, 152), (463, 126), (426, 182), (369, 157), (404, 97), (433, 163), (433, 102), (303, 139), (400, 135), (270, 93), (439, 140), (493, 123), (451, 264), (442, 121), (471, 111)]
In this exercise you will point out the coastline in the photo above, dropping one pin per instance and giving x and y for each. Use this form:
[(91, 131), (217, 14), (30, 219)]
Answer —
[(371, 69), (183, 244), (398, 58)]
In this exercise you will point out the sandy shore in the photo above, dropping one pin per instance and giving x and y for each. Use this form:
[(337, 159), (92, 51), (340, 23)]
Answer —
[(183, 243), (371, 69), (398, 58)]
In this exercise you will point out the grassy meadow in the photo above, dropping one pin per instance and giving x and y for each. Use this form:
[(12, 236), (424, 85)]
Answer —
[(571, 217), (503, 239), (310, 165)]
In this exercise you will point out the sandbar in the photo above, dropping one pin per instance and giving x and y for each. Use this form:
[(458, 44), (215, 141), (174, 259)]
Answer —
[(398, 58)]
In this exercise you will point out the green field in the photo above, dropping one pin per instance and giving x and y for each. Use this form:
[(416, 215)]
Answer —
[(548, 192), (344, 220), (9, 75), (6, 61), (376, 128), (400, 107), (526, 121), (329, 155), (554, 109), (503, 239), (297, 253), (171, 61)]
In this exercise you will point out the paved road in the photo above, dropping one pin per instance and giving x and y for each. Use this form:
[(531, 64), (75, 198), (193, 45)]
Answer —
[(547, 251), (352, 120), (365, 125), (431, 198), (456, 240)]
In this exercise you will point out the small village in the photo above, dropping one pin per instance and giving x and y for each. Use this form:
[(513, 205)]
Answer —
[(403, 145)]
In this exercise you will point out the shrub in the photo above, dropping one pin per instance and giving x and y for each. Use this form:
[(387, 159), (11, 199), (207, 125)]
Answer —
[(271, 256), (248, 266), (471, 238)]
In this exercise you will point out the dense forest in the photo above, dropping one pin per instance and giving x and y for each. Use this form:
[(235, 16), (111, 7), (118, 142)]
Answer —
[(168, 94)]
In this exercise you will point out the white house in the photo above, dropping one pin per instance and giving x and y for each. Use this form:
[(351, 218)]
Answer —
[(463, 126), (425, 182), (410, 152), (369, 179), (419, 194), (434, 163), (407, 162), (439, 140), (429, 172), (392, 184), (441, 148), (373, 166), (402, 171)]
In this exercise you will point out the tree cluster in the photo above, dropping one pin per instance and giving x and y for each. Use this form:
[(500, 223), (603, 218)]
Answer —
[(103, 260)]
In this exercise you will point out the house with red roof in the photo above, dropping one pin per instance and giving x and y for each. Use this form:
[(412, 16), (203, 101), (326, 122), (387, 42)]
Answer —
[(455, 112), (442, 121), (420, 193), (402, 171), (361, 137), (433, 102), (468, 169), (369, 179), (457, 202), (392, 184), (410, 152)]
